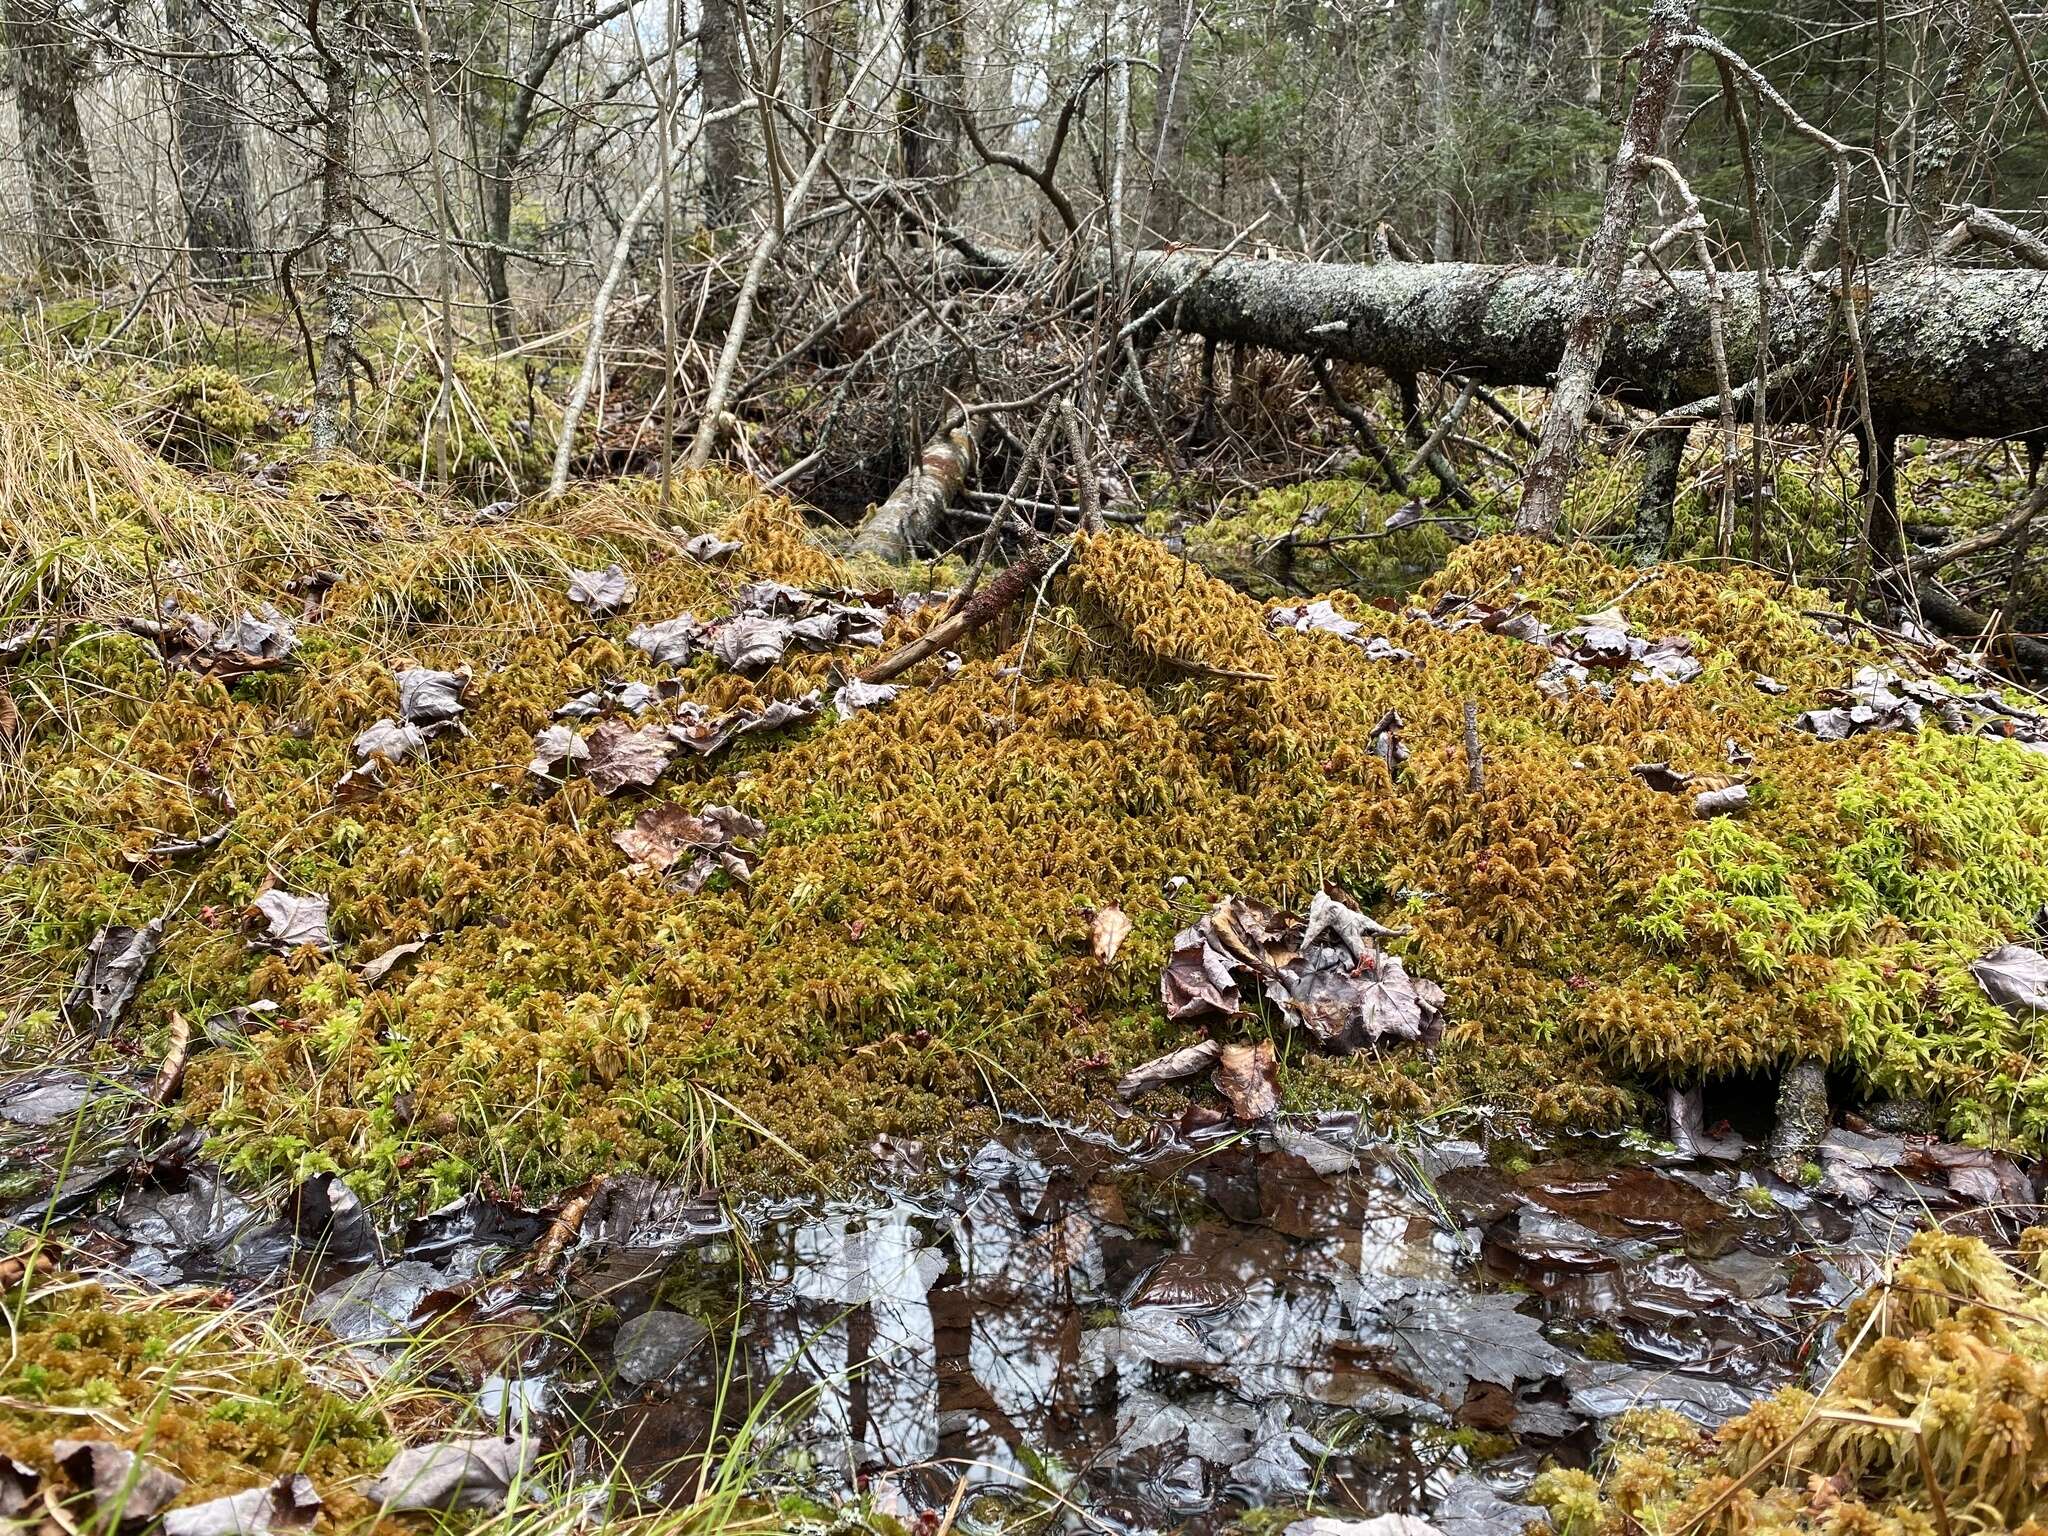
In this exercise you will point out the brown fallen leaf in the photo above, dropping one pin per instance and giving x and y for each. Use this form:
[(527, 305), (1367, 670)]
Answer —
[(662, 834), (1249, 1077), (172, 1072), (123, 1487), (377, 969), (623, 758), (1107, 931), (1188, 1061)]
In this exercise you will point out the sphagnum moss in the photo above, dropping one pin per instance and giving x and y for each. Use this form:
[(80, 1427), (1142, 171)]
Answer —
[(914, 938), (1937, 1419), (223, 1400)]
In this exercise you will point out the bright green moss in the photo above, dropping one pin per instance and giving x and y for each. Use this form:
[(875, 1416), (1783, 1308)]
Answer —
[(220, 1398)]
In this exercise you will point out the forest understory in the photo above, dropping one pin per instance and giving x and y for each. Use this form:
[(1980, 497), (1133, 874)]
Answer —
[(992, 771)]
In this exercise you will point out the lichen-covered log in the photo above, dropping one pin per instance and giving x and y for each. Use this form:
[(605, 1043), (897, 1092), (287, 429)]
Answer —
[(1953, 352)]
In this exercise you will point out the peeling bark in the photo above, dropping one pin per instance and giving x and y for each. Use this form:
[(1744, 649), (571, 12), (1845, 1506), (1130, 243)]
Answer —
[(904, 521)]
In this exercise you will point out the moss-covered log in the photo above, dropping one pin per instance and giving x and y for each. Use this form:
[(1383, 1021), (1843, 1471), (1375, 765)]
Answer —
[(1952, 352)]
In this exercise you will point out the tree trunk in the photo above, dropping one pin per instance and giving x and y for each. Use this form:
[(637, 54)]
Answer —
[(337, 221), (1163, 208), (508, 150), (934, 47), (213, 153), (894, 530), (1556, 458), (1440, 81), (719, 84), (48, 64), (1952, 351), (1663, 456), (1942, 143)]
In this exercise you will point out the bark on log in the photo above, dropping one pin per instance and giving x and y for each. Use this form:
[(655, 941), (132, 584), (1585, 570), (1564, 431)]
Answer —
[(1953, 352), (894, 529)]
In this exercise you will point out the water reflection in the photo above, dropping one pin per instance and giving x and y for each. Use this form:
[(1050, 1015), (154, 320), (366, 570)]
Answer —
[(1170, 1337)]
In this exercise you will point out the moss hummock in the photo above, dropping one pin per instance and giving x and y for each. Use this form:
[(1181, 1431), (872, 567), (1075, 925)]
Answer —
[(222, 1399), (912, 954)]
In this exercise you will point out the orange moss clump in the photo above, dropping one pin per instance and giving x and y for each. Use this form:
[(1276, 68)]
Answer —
[(1937, 1418), (912, 952)]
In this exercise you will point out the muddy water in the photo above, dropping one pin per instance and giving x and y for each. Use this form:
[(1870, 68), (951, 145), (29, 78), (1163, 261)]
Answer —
[(1164, 1338), (1159, 1336)]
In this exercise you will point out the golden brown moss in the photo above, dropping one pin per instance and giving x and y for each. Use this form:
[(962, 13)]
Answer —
[(213, 1395), (1938, 1414), (914, 940)]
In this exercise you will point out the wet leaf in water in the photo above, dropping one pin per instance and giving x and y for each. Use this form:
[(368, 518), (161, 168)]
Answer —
[(46, 1096), (294, 922), (1378, 1525), (1188, 1061), (114, 964), (620, 757), (290, 1503), (1249, 1077), (1448, 1340), (2014, 976), (602, 593), (476, 1472), (123, 1486), (555, 751), (650, 1346), (1107, 930)]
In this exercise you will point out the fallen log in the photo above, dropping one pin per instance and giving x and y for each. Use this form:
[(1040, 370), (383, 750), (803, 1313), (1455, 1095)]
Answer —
[(1952, 351), (906, 519)]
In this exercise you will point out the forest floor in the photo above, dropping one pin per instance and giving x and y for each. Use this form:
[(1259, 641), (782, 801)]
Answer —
[(529, 910)]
